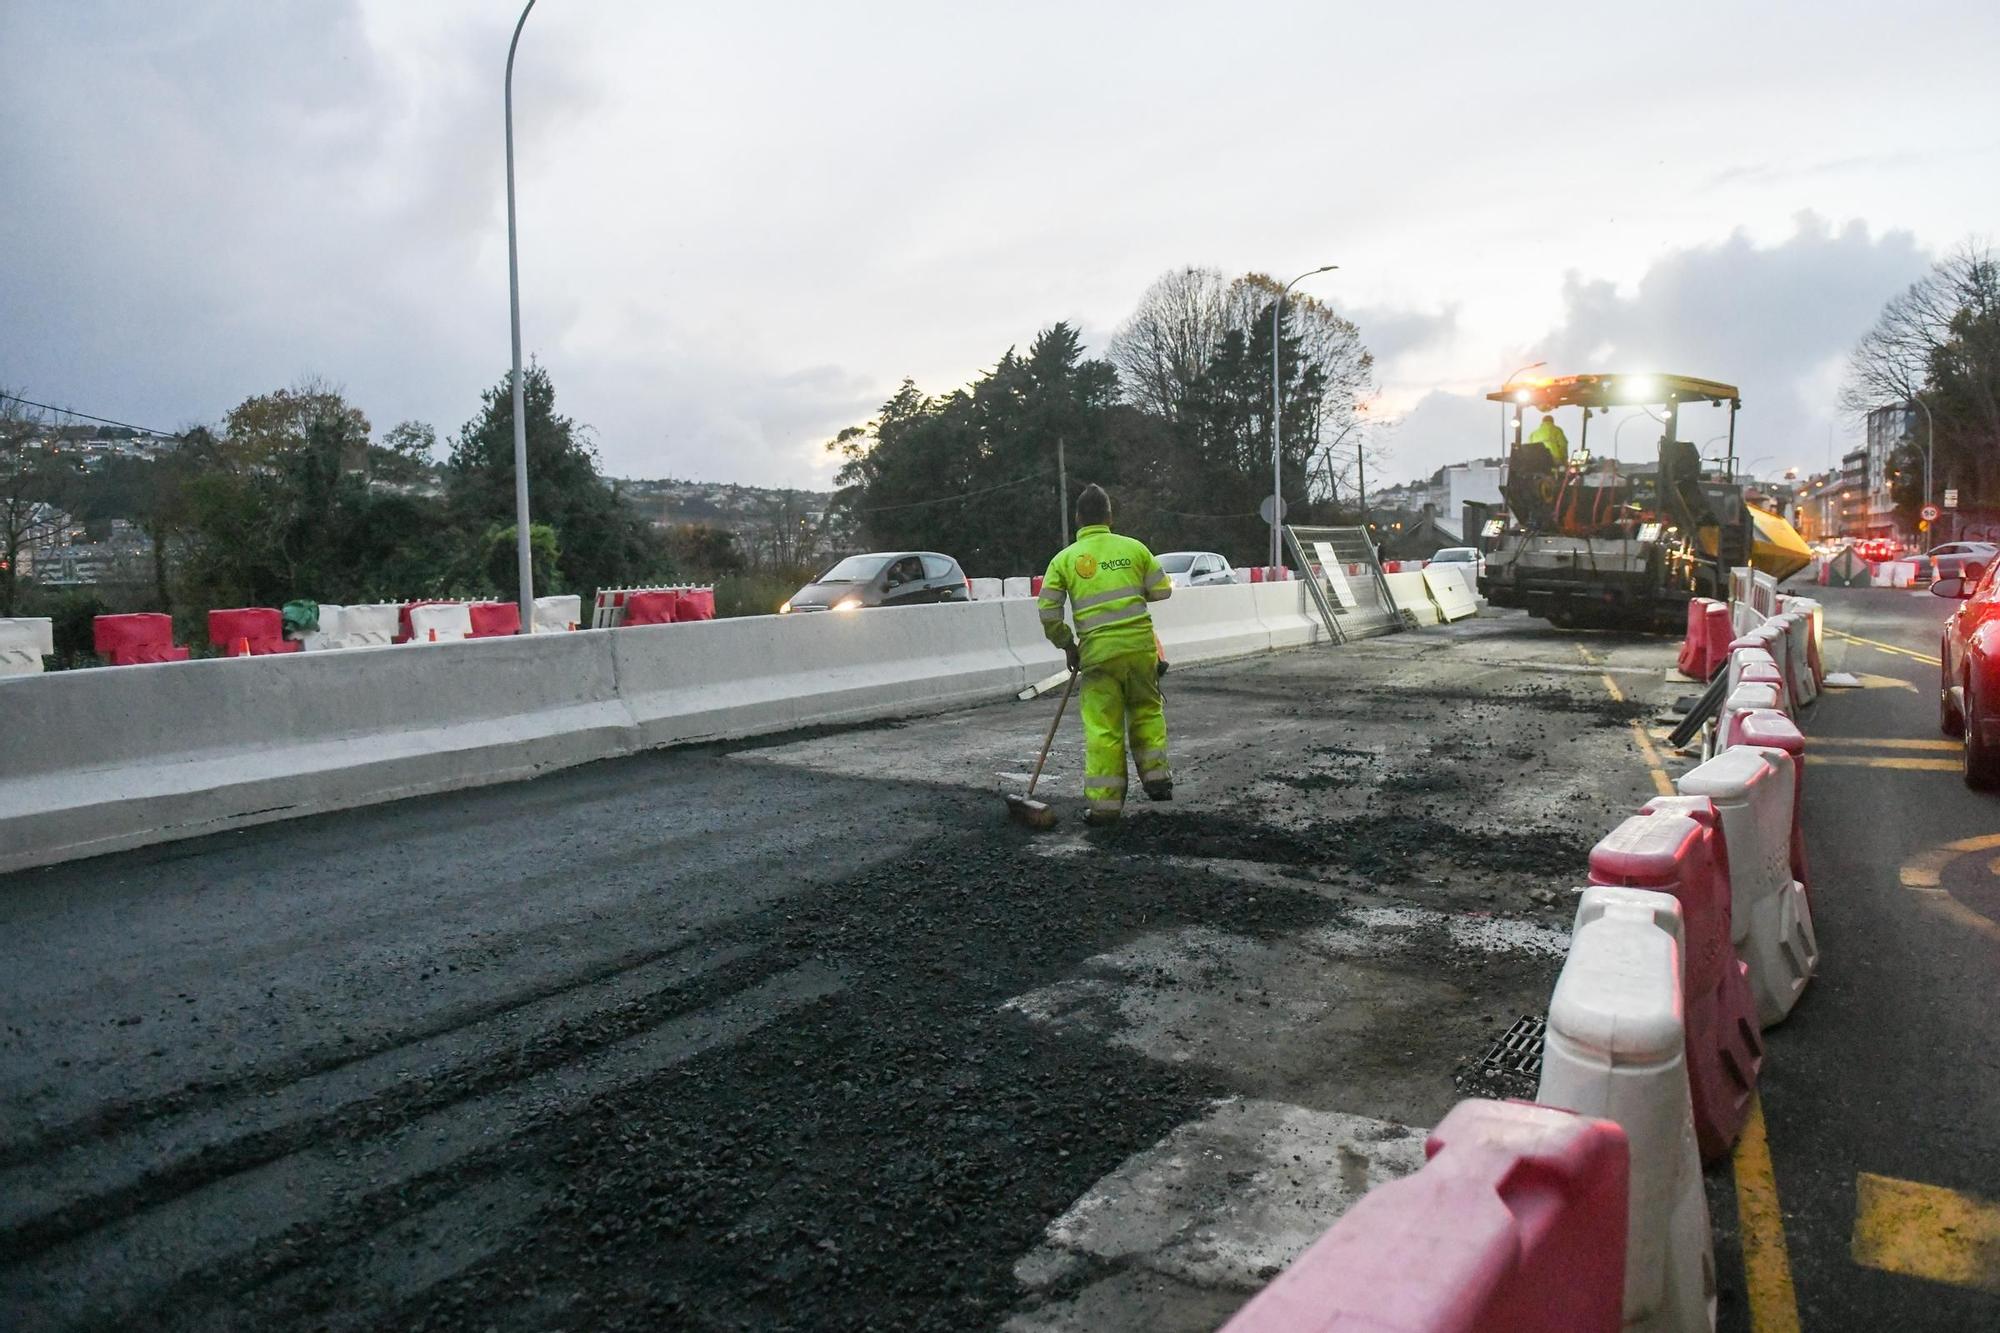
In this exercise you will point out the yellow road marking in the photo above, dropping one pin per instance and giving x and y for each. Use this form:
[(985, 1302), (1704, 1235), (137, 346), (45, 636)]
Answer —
[(1923, 875), (1767, 1264), (1886, 761), (1926, 1231), (1886, 743), (1662, 783), (1881, 647)]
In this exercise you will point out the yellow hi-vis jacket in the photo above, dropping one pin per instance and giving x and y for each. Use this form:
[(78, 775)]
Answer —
[(1552, 437), (1107, 580)]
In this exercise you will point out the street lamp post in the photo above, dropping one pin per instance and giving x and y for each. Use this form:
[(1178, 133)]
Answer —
[(522, 551), (1277, 408), (1532, 365), (1930, 443)]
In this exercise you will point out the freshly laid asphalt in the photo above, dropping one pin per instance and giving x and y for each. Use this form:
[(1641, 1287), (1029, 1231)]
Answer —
[(1890, 1065), (803, 1033)]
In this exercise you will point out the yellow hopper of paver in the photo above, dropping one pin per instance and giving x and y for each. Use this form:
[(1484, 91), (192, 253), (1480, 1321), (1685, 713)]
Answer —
[(1775, 545)]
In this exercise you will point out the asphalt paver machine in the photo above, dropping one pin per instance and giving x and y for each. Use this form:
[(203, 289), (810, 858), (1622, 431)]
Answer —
[(1588, 541)]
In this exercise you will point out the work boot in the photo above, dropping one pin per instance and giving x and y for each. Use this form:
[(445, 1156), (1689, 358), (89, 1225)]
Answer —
[(1160, 791), (1100, 818)]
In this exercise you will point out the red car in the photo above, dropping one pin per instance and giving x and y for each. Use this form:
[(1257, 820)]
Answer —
[(1969, 670)]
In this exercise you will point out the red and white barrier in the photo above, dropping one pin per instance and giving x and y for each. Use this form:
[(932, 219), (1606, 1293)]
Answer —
[(1752, 789), (1802, 684), (1676, 848), (985, 590), (494, 620), (1758, 670), (1616, 1050), (1692, 660), (1517, 1222), (1775, 731)]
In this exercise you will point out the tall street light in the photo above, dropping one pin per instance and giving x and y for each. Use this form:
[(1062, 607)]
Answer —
[(1277, 408), (1930, 442), (1512, 375), (521, 547)]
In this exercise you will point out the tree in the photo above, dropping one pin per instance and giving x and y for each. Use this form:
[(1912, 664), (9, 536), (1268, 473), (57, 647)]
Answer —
[(34, 483), (705, 549), (604, 541), (503, 560), (1164, 346), (1939, 343)]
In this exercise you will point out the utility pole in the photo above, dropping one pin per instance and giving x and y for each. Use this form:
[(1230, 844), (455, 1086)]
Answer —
[(1062, 490)]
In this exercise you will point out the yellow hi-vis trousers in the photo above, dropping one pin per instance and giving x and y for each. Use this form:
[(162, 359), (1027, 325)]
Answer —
[(1119, 694)]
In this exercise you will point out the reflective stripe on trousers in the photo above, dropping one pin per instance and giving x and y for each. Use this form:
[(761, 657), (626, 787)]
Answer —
[(1120, 696)]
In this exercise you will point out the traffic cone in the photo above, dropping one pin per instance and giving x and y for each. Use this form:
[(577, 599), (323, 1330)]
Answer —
[(433, 633), (243, 647)]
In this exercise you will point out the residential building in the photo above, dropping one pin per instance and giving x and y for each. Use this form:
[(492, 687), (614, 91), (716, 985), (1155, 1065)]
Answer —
[(1890, 429)]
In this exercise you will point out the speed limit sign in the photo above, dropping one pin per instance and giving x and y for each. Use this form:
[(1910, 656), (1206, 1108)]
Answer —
[(1929, 513)]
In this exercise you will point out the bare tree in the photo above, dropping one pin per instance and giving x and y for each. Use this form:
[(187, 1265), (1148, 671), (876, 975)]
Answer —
[(1169, 340), (31, 485), (1899, 358)]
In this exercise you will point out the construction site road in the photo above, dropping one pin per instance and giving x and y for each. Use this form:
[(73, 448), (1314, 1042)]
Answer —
[(804, 1033), (1881, 1092)]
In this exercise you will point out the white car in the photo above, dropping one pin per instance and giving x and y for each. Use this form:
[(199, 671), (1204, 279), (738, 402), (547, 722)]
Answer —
[(1195, 569), (1467, 557)]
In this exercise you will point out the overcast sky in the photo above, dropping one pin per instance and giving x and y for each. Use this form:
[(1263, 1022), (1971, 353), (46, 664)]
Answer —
[(742, 225)]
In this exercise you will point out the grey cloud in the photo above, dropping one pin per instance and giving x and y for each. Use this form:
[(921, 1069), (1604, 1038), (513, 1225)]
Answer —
[(1390, 332)]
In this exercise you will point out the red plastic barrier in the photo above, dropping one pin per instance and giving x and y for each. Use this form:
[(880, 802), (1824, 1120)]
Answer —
[(1035, 586), (1516, 1222), (128, 640), (1763, 673), (1721, 630), (250, 631), (696, 604), (494, 620), (651, 608), (1675, 846), (1693, 659), (1767, 726)]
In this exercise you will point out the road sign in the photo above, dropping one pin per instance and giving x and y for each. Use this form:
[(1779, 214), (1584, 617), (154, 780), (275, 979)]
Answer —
[(1929, 513), (1951, 498), (1264, 509)]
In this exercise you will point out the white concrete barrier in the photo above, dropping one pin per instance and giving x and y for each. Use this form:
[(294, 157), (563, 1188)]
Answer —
[(1615, 1049), (98, 761), (558, 614), (986, 590), (1451, 590), (1018, 585), (1284, 610), (1410, 592), (24, 642), (440, 622), (1211, 624), (1770, 916)]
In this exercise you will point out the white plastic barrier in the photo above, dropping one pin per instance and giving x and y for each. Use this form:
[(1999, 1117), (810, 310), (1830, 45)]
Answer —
[(366, 626), (1817, 613), (986, 590), (1894, 574), (1615, 1049), (440, 622), (558, 614), (24, 642), (1742, 699), (1742, 657), (1409, 592), (1770, 915), (1449, 588), (1017, 585), (1797, 629)]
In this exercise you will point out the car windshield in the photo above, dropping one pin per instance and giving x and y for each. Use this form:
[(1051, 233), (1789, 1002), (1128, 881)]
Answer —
[(855, 569), (1177, 562)]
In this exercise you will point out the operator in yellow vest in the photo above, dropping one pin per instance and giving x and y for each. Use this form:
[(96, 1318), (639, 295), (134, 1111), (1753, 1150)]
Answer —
[(1107, 581), (1551, 437)]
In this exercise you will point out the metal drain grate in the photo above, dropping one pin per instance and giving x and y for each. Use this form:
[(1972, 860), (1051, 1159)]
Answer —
[(1518, 1050)]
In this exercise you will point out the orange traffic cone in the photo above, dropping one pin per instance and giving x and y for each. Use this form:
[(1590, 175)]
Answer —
[(434, 635), (243, 647)]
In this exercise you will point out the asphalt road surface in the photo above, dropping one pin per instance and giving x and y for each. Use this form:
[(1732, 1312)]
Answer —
[(804, 1034), (1881, 1092)]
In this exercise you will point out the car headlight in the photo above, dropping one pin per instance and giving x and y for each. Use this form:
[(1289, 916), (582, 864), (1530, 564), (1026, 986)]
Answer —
[(848, 604), (785, 608)]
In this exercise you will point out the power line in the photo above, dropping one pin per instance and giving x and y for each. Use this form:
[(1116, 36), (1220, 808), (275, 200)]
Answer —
[(107, 421), (948, 499)]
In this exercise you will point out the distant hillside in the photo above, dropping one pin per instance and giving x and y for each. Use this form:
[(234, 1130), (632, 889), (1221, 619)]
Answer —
[(671, 502)]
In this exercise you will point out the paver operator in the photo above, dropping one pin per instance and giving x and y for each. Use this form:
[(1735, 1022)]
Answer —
[(1552, 438), (1108, 580)]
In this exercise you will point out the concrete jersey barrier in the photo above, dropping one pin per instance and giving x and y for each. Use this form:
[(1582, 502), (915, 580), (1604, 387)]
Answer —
[(1455, 597)]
